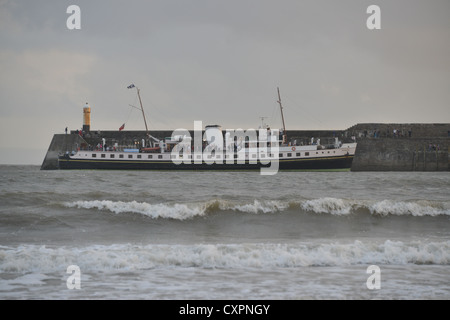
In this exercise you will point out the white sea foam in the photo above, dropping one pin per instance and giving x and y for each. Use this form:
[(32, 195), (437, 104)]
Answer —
[(179, 211), (330, 205), (384, 207), (415, 208), (32, 258), (175, 211), (255, 207), (327, 205)]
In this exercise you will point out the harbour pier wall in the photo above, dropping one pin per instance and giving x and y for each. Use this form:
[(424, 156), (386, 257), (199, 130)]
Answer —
[(401, 146), (381, 146), (390, 154), (60, 144)]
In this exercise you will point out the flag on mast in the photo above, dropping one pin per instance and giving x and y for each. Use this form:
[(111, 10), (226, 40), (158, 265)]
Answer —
[(131, 86), (122, 127)]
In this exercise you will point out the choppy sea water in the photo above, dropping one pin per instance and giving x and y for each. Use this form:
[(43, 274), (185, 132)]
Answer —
[(223, 235)]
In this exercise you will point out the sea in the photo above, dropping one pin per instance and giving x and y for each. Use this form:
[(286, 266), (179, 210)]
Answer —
[(120, 235)]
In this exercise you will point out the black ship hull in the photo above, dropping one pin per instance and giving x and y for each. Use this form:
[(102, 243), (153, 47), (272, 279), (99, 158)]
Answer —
[(323, 163)]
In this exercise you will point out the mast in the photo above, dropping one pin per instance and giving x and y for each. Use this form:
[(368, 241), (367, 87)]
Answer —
[(282, 117), (142, 109), (131, 86)]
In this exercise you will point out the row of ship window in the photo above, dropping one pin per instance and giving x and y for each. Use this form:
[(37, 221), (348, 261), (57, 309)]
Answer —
[(160, 156)]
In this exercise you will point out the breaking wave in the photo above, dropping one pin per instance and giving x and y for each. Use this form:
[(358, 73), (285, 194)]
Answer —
[(176, 211), (179, 211), (31, 258), (383, 208), (333, 206)]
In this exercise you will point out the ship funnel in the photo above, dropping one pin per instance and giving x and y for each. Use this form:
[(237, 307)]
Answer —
[(212, 131)]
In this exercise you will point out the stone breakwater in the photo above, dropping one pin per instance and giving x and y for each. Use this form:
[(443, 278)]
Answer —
[(381, 146)]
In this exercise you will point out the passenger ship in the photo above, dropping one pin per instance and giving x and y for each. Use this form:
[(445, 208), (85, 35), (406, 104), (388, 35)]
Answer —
[(245, 155)]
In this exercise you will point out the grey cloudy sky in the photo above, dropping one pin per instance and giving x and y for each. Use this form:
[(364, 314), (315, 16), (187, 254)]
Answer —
[(219, 62)]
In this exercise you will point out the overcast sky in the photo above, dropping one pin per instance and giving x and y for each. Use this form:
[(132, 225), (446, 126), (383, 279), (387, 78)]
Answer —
[(219, 62)]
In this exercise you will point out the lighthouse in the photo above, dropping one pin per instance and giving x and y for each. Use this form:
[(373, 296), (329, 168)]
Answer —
[(86, 118)]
